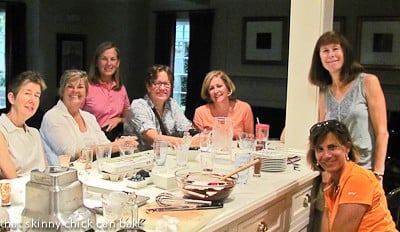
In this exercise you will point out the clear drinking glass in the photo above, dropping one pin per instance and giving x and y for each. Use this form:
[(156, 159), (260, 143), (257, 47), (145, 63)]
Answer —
[(64, 160), (246, 141), (160, 151), (114, 204), (181, 155), (242, 158), (103, 152), (86, 157), (205, 140), (207, 160)]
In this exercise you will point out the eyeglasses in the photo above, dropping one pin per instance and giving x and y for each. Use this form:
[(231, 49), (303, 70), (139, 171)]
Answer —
[(159, 84), (329, 123)]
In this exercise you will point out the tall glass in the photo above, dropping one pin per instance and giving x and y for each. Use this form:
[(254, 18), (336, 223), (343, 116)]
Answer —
[(160, 151), (221, 139), (114, 204), (262, 134), (103, 152), (205, 140)]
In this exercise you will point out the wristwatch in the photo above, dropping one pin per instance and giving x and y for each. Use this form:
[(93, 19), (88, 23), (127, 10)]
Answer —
[(378, 175)]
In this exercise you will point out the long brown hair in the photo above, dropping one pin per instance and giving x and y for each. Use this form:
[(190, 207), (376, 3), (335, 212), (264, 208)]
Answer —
[(319, 76), (94, 74)]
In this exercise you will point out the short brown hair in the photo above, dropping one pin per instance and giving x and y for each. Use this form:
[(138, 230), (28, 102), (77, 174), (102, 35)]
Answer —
[(152, 72)]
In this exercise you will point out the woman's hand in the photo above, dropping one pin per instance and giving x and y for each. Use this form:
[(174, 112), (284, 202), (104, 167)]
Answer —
[(195, 141), (127, 141), (112, 123)]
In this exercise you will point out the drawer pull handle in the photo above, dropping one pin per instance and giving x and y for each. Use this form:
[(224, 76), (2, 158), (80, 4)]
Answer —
[(307, 200), (262, 227)]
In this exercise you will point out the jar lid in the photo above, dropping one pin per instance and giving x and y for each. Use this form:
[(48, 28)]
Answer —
[(262, 126)]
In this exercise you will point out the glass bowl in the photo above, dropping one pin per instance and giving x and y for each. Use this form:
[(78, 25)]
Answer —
[(196, 184)]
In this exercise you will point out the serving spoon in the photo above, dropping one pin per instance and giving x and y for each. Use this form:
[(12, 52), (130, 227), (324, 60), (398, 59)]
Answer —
[(241, 168)]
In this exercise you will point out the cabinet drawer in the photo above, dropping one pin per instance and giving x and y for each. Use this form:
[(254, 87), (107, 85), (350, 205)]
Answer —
[(301, 208), (274, 217)]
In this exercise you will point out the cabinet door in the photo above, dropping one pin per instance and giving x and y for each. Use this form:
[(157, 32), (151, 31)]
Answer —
[(274, 216), (301, 209)]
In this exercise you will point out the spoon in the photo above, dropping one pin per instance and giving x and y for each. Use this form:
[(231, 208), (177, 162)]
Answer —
[(240, 169)]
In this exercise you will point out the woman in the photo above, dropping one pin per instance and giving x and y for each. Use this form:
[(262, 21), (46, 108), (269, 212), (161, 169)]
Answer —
[(218, 90), (157, 115), (351, 96), (21, 149), (107, 98), (354, 198), (65, 128)]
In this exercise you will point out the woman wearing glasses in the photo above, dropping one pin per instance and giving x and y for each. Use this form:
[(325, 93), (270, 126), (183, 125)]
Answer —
[(351, 96), (157, 115), (107, 98), (65, 128), (354, 198)]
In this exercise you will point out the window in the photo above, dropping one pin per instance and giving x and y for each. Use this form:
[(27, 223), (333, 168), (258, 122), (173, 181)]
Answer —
[(2, 59), (181, 61)]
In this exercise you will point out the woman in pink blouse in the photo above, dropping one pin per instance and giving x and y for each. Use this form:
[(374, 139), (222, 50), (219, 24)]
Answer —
[(218, 90), (107, 98)]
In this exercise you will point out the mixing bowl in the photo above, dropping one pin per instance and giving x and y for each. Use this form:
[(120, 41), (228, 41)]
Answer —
[(195, 184)]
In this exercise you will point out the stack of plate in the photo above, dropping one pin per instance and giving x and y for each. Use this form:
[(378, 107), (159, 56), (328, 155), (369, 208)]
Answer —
[(274, 162)]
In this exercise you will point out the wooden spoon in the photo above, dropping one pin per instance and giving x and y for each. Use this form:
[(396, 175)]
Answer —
[(241, 169)]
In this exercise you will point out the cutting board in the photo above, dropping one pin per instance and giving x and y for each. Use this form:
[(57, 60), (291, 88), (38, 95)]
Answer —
[(189, 220)]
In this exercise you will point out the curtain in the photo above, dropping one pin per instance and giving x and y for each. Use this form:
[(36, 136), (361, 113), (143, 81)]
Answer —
[(15, 41), (165, 38), (201, 23)]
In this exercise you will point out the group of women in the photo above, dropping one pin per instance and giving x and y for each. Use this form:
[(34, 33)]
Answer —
[(93, 108)]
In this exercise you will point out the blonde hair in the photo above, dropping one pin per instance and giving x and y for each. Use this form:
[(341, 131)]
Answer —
[(72, 75), (205, 95)]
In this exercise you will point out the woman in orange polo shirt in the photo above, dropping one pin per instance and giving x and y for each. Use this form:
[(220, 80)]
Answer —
[(354, 197)]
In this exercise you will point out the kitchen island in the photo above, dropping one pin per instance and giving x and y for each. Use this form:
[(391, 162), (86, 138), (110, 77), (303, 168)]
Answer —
[(280, 200)]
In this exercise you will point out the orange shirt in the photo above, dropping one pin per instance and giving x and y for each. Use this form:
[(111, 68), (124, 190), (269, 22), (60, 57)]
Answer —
[(360, 186), (241, 115)]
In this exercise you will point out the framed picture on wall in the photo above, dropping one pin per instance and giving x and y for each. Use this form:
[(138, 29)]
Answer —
[(70, 52), (264, 40), (378, 42)]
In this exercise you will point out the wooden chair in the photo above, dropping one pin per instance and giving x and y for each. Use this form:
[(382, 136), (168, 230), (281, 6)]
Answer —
[(393, 200)]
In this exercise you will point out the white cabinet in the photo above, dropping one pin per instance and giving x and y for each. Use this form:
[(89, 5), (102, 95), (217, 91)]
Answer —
[(290, 211), (273, 216), (301, 209)]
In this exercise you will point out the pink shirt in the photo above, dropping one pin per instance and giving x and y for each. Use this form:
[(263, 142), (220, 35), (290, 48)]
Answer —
[(241, 115), (105, 103)]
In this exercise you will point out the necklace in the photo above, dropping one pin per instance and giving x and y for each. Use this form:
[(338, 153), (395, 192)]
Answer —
[(336, 188)]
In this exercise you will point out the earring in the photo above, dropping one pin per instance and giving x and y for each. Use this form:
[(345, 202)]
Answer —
[(347, 157), (316, 163)]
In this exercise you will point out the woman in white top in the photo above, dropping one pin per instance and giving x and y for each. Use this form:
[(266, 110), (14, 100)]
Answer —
[(65, 128), (21, 149)]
